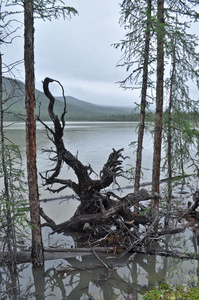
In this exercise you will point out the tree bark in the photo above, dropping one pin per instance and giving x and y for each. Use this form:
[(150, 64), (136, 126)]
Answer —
[(169, 137), (159, 107), (143, 105), (37, 246)]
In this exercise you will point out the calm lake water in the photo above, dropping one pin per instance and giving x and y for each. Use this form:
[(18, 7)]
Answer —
[(93, 142)]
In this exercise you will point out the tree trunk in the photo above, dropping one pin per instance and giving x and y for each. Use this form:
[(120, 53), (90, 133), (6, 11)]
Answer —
[(159, 107), (37, 246), (169, 139), (143, 105)]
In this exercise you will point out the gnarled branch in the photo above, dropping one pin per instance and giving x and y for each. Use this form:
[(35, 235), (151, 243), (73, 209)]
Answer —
[(86, 186)]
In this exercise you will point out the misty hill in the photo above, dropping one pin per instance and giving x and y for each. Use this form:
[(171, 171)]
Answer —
[(77, 110)]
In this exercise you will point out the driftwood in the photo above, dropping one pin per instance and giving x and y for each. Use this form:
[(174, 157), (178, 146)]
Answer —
[(86, 186), (66, 253), (119, 209), (96, 207), (24, 256), (103, 218), (167, 253)]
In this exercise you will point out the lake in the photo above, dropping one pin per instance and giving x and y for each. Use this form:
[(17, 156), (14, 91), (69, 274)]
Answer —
[(93, 142)]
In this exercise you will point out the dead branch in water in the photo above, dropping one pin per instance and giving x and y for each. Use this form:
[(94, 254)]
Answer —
[(103, 218)]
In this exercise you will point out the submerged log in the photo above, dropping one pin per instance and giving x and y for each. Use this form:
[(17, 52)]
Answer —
[(66, 253), (52, 253)]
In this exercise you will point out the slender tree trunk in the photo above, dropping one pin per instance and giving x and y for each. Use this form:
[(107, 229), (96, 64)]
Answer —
[(143, 105), (37, 246), (169, 139), (159, 107), (1, 97)]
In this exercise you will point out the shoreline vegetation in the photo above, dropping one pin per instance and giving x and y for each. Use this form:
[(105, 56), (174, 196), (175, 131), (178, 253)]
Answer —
[(17, 117), (167, 292)]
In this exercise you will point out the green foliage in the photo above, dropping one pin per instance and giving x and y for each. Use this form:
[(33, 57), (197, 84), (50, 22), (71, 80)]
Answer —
[(48, 9), (12, 195), (180, 134), (180, 54), (185, 137), (169, 293), (45, 9), (137, 21), (130, 173), (185, 141), (111, 118)]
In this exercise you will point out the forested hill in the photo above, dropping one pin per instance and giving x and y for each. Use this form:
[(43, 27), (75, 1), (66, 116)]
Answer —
[(77, 110)]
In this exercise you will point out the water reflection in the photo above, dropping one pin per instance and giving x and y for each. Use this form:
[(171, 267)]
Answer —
[(86, 278)]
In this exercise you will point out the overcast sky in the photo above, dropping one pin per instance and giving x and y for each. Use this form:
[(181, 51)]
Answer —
[(79, 54)]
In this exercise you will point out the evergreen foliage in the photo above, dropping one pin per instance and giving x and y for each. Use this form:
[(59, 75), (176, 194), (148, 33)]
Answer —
[(180, 121), (13, 195), (181, 115), (137, 22)]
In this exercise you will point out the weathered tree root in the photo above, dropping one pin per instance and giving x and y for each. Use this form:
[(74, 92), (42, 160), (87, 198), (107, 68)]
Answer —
[(120, 208), (105, 218), (116, 227), (86, 186)]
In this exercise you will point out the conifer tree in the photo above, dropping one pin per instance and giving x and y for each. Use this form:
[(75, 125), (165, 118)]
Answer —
[(160, 31), (181, 115), (45, 9), (175, 48), (138, 20)]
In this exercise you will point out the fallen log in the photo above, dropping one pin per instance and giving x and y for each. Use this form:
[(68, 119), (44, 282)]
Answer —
[(64, 253), (53, 253), (167, 253)]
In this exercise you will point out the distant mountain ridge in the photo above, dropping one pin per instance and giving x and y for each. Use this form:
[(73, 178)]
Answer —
[(77, 110)]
